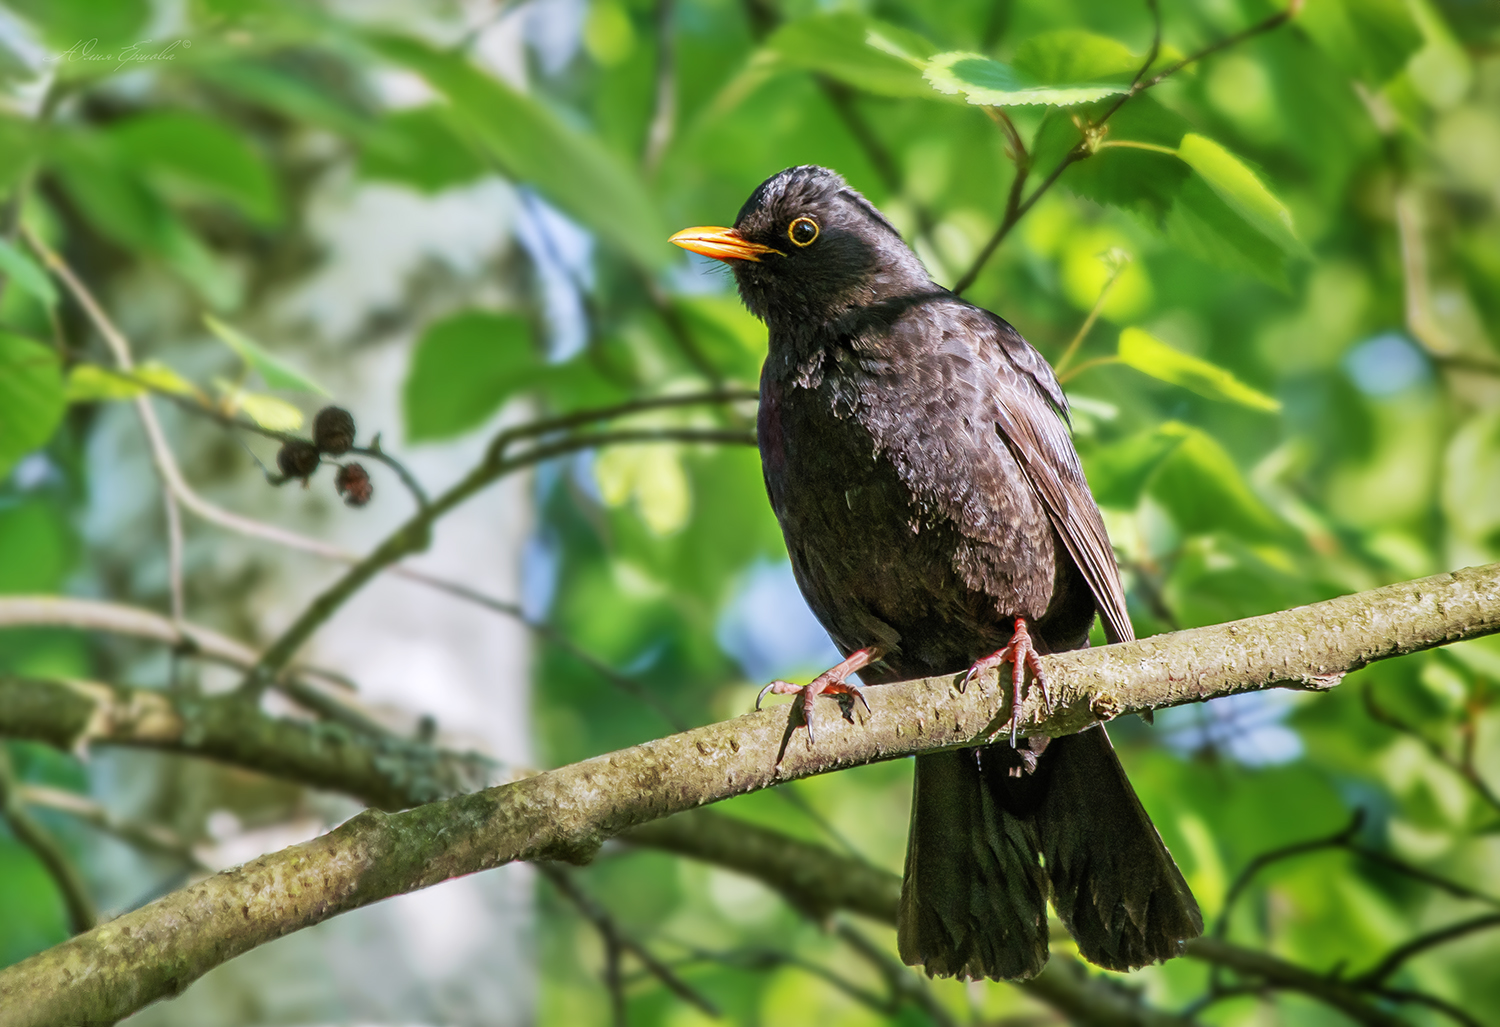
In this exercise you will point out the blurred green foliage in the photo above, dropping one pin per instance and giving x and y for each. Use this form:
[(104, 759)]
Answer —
[(1291, 389)]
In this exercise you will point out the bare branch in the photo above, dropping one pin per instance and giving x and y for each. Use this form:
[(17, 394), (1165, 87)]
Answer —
[(618, 939), (381, 769), (145, 836), (664, 116), (1265, 859), (1391, 963), (413, 536), (567, 813), (1014, 210), (1277, 973), (1463, 767), (81, 912)]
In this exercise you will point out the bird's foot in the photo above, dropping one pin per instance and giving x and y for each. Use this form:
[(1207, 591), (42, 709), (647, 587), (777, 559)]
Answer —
[(1021, 655), (832, 681)]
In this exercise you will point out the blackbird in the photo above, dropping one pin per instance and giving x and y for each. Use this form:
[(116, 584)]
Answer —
[(917, 455)]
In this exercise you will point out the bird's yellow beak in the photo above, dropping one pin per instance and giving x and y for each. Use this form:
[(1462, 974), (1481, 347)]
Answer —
[(720, 244)]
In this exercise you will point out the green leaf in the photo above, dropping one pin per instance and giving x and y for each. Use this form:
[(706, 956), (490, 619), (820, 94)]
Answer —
[(81, 30), (107, 189), (16, 265), (533, 145), (1150, 355), (275, 373), (17, 150), (1118, 473), (287, 93), (856, 50), (1239, 187), (1369, 39), (1200, 486), (199, 158), (1073, 55), (1201, 223), (419, 148), (464, 369), (987, 82), (31, 397), (1144, 182)]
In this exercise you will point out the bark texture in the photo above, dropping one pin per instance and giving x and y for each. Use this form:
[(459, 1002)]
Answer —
[(157, 950)]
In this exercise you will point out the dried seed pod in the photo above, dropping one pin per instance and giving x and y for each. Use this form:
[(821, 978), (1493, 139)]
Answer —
[(297, 458), (353, 483), (333, 431)]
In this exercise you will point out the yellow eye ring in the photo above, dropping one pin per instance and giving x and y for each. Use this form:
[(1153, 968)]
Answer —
[(798, 232)]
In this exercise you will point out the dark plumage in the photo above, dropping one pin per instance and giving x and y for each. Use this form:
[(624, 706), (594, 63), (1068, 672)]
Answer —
[(916, 453)]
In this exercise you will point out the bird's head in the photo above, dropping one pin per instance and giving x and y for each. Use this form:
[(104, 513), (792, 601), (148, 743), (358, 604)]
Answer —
[(807, 246)]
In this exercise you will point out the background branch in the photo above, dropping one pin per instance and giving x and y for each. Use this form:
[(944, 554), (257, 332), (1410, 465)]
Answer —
[(566, 814)]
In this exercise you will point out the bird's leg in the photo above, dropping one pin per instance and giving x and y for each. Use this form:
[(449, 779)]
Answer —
[(1020, 654), (833, 680)]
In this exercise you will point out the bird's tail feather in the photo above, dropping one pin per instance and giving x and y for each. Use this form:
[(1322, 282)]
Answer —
[(987, 849)]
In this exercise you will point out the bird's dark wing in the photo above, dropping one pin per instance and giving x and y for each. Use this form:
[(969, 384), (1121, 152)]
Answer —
[(1030, 419)]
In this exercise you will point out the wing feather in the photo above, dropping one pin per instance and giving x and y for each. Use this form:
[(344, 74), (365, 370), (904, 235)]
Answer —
[(1030, 420)]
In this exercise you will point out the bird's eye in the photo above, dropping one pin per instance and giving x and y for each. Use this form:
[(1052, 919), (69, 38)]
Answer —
[(803, 231)]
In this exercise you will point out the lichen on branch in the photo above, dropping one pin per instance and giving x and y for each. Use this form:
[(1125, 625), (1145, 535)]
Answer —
[(565, 814)]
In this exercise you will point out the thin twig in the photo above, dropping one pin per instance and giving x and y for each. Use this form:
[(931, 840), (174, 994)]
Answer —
[(1463, 768), (903, 982), (1015, 211), (374, 451), (1391, 963), (1087, 365), (413, 536), (1265, 859), (184, 637), (664, 115), (1061, 366), (624, 682), (146, 836), (621, 941), (1421, 998), (82, 915), (174, 555)]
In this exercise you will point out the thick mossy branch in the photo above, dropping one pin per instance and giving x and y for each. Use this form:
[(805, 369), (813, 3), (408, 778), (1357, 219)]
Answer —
[(383, 770), (565, 814)]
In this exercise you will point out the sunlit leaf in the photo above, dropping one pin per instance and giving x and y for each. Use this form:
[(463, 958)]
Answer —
[(986, 81), (464, 368), (31, 397), (1073, 55), (1149, 355), (89, 383), (1145, 182), (17, 266), (272, 370), (840, 46), (534, 145), (1241, 189), (653, 477), (270, 412)]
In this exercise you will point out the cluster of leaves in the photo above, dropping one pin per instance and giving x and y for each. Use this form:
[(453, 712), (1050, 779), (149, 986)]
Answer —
[(1282, 257)]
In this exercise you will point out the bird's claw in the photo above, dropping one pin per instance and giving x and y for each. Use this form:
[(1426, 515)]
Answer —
[(830, 681), (1022, 656)]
